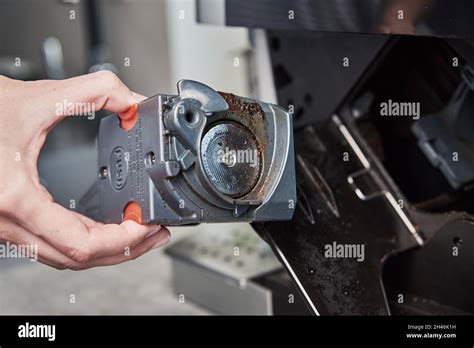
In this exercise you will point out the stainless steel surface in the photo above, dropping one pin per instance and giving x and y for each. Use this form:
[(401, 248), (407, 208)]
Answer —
[(217, 270), (238, 254), (230, 158), (219, 294)]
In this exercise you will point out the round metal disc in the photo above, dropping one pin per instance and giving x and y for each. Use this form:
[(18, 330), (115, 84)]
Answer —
[(231, 159)]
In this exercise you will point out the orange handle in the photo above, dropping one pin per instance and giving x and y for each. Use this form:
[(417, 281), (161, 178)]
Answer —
[(133, 212), (129, 118)]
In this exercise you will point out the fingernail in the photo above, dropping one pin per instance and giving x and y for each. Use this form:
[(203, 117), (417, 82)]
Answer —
[(153, 231), (162, 242)]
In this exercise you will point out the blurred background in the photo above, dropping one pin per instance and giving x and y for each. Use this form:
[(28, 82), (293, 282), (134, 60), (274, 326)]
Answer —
[(150, 45)]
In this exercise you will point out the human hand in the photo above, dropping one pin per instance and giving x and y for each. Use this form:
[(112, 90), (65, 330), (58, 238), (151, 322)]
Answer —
[(28, 214)]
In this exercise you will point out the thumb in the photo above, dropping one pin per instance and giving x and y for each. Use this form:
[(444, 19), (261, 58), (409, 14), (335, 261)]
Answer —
[(83, 95)]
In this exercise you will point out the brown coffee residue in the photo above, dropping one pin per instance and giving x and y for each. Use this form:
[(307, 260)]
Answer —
[(239, 105)]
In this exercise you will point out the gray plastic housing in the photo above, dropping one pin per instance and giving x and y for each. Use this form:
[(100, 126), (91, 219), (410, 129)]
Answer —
[(157, 163)]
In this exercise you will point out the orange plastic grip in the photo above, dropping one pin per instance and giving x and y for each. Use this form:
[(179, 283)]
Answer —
[(133, 212), (129, 118)]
